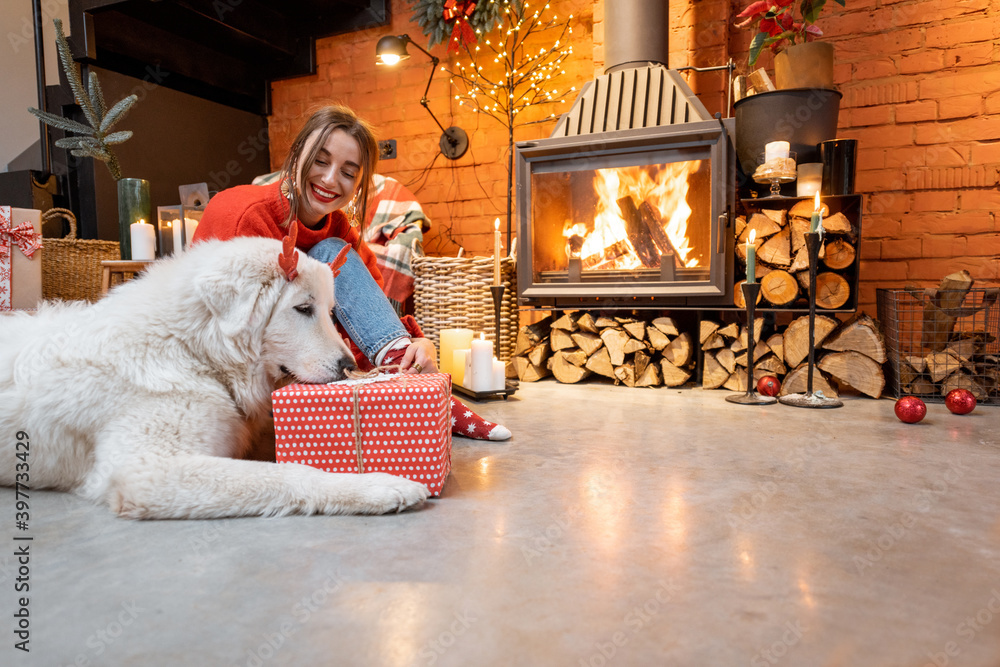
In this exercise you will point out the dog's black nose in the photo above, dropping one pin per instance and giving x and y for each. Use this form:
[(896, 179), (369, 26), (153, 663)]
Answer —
[(344, 366)]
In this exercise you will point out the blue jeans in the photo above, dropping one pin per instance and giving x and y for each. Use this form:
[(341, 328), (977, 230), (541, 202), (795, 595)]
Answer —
[(361, 306)]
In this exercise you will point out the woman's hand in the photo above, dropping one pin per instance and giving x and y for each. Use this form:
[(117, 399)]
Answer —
[(419, 357)]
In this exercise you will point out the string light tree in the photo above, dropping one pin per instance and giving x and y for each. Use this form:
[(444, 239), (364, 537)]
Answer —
[(527, 51)]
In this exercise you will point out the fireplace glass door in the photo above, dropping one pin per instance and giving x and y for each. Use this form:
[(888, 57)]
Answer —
[(626, 216)]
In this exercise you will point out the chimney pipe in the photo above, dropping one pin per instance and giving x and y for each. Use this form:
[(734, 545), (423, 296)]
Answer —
[(635, 33)]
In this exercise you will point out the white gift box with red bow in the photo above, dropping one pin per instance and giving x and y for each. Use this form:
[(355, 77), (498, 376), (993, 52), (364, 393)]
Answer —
[(397, 424), (20, 258)]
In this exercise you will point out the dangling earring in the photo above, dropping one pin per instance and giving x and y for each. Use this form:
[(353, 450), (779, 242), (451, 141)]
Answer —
[(352, 212), (286, 189)]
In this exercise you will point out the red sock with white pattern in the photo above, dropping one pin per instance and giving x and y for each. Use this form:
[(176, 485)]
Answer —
[(467, 423)]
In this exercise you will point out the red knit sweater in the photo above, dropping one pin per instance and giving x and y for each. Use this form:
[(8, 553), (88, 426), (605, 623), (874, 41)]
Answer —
[(260, 210)]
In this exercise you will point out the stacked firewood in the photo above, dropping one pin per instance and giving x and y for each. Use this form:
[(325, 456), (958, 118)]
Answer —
[(950, 357), (851, 353), (783, 260), (625, 349)]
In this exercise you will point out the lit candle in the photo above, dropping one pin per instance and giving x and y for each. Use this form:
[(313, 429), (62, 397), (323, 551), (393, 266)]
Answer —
[(459, 358), (775, 149), (751, 257), (816, 227), (480, 365), (496, 252), (810, 179), (143, 237), (499, 375), (451, 340)]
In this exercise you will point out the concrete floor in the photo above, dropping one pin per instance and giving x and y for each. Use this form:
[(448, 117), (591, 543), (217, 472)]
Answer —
[(619, 527)]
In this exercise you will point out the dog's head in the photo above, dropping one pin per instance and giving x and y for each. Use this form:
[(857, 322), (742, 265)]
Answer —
[(287, 323)]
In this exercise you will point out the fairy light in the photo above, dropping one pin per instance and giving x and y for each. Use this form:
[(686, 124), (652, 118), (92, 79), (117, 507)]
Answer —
[(523, 68)]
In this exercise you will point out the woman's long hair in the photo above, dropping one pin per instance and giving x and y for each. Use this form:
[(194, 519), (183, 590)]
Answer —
[(303, 153)]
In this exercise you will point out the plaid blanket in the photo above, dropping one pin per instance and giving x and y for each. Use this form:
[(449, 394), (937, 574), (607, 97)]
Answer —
[(395, 233)]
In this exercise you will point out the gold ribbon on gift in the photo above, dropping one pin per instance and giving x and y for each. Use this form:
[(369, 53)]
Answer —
[(356, 401)]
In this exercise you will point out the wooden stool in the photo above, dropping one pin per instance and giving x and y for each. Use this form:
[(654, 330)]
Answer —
[(123, 268)]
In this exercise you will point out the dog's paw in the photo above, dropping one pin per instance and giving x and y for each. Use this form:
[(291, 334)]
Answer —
[(384, 493)]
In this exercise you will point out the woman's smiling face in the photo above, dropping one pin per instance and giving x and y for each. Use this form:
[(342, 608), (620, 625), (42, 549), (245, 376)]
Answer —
[(330, 182)]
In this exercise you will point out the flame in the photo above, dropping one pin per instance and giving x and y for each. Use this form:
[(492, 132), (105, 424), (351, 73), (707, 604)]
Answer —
[(575, 234), (664, 188)]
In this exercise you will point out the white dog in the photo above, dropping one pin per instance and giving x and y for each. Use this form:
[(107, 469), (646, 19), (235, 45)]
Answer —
[(146, 399)]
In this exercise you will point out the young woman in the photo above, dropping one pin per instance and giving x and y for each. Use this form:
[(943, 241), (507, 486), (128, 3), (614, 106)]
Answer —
[(328, 171)]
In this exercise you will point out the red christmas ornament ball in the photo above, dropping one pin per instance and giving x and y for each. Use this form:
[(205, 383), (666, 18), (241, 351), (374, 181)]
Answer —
[(960, 401), (910, 409), (768, 385)]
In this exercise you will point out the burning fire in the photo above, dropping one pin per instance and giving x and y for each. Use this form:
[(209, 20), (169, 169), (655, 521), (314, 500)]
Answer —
[(658, 218)]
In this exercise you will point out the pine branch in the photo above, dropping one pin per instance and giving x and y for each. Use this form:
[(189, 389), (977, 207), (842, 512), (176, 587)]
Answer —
[(72, 71), (61, 123), (95, 142)]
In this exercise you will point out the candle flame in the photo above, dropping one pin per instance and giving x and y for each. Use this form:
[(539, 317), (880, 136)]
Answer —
[(482, 336), (496, 225), (752, 237), (816, 200)]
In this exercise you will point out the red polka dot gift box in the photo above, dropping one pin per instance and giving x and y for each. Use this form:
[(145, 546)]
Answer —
[(397, 424)]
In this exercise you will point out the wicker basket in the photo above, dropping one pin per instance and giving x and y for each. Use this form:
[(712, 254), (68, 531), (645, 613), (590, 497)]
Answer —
[(71, 267), (454, 293)]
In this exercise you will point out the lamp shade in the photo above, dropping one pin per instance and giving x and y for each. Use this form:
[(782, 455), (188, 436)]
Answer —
[(390, 50)]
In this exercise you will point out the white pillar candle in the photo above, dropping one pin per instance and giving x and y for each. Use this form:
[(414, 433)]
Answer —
[(458, 361), (499, 375), (143, 240), (480, 365), (190, 227), (810, 177), (775, 149), (175, 225), (451, 340)]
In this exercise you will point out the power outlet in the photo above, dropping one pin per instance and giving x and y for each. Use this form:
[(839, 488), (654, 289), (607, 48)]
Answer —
[(387, 149)]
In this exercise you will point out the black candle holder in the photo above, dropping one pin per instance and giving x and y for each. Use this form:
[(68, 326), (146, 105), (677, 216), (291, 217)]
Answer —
[(750, 293), (497, 292), (809, 399)]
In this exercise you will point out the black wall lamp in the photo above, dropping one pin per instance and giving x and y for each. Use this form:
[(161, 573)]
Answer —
[(389, 51)]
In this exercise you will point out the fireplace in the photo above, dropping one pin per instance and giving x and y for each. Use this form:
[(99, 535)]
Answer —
[(629, 203)]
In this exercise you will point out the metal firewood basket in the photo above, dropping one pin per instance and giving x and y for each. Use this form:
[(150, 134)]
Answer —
[(932, 350)]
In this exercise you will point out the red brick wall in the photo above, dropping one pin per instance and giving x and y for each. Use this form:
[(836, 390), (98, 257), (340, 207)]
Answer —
[(921, 84)]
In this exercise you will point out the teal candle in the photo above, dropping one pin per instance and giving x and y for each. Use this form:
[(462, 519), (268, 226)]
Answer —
[(817, 217), (751, 258)]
